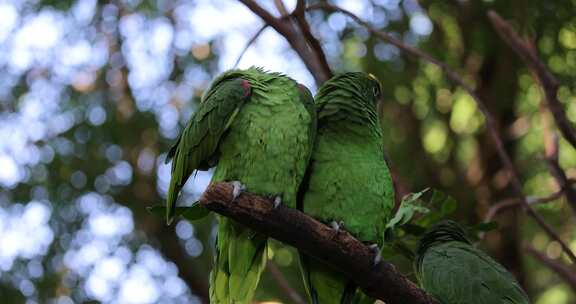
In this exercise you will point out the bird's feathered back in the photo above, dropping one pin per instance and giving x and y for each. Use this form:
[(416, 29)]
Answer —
[(352, 96), (442, 232), (453, 271)]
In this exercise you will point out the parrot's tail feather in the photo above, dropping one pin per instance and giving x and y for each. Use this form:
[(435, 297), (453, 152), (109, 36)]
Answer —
[(240, 261), (349, 294), (324, 285), (305, 271), (173, 191)]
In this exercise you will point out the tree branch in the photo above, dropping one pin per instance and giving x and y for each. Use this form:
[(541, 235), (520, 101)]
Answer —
[(283, 283), (515, 202), (281, 8), (552, 153), (337, 249), (490, 121), (299, 15), (547, 80), (170, 247), (290, 33), (567, 274), (250, 42)]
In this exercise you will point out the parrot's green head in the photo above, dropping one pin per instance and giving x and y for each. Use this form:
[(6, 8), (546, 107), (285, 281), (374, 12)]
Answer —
[(358, 87), (442, 232)]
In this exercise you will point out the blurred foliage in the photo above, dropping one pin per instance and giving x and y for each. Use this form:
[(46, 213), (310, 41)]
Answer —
[(94, 92)]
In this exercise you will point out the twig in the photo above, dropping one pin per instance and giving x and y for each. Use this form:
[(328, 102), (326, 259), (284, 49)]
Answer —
[(337, 249), (551, 152), (290, 33), (562, 270), (515, 202), (563, 181), (490, 121), (299, 15), (250, 42), (283, 283), (549, 83), (281, 8)]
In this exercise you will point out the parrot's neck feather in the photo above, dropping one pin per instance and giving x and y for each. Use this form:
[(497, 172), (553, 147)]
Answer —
[(443, 232)]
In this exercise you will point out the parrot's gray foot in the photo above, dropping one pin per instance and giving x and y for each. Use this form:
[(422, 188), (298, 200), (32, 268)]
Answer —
[(377, 254), (237, 190), (336, 225), (277, 201)]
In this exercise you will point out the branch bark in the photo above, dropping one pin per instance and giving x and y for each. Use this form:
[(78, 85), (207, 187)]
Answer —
[(337, 249), (547, 80), (300, 16), (490, 121), (283, 26)]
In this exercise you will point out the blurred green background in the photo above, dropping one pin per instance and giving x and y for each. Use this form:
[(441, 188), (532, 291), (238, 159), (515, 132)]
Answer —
[(92, 94)]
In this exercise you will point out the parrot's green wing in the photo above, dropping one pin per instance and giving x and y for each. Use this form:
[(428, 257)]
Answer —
[(266, 148), (323, 284), (196, 148), (453, 271), (307, 100), (347, 179)]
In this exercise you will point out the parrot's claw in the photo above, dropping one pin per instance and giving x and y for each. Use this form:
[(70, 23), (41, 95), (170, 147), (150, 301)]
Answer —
[(377, 254), (277, 201), (335, 225), (237, 190)]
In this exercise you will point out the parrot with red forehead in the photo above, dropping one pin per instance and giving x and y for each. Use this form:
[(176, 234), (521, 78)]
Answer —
[(256, 128)]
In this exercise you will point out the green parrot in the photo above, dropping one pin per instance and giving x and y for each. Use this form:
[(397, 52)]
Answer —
[(454, 272), (348, 181), (257, 128)]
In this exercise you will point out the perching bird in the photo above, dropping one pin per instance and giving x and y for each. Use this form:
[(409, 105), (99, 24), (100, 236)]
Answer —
[(348, 180), (256, 127), (454, 272)]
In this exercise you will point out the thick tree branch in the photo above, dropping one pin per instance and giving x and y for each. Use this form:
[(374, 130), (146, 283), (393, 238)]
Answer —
[(281, 8), (489, 119), (545, 77), (337, 249), (300, 16), (284, 27)]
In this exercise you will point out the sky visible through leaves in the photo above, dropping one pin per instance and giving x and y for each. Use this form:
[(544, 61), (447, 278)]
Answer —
[(51, 61)]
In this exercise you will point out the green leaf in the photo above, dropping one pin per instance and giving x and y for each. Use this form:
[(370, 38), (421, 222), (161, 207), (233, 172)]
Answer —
[(441, 205), (157, 210), (446, 203), (191, 213), (195, 212), (410, 205)]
